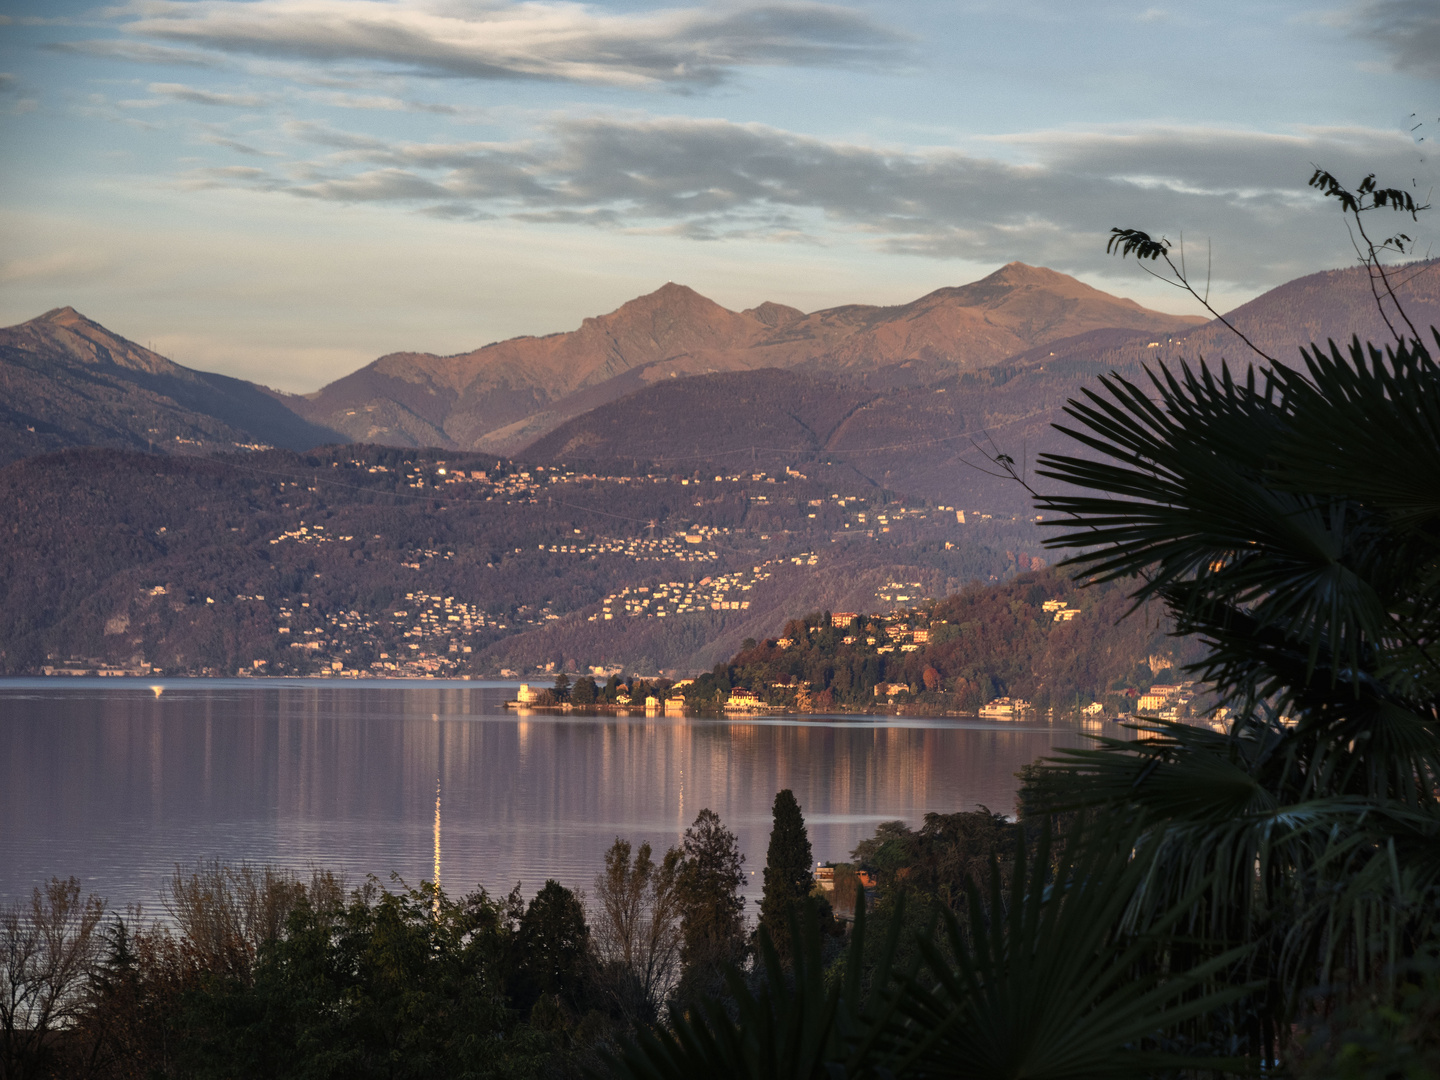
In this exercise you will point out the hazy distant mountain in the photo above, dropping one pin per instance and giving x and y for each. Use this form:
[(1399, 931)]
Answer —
[(67, 381), (503, 396)]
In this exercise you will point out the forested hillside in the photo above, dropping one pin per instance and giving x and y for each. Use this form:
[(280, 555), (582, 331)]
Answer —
[(1037, 637), (385, 561)]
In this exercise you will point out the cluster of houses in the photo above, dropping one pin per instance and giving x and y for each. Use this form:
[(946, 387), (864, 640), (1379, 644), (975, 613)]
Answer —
[(1167, 701), (1005, 708), (899, 591), (740, 699), (717, 592), (690, 545), (1062, 611), (525, 483), (308, 534)]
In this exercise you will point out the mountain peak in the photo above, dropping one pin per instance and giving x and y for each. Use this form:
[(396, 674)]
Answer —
[(72, 335), (1019, 273), (675, 318), (668, 296), (773, 314), (63, 316)]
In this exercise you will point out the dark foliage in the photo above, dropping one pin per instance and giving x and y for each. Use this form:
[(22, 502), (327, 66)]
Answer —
[(552, 950), (789, 873), (712, 911)]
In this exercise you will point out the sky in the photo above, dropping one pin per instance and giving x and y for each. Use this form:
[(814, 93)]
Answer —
[(283, 190)]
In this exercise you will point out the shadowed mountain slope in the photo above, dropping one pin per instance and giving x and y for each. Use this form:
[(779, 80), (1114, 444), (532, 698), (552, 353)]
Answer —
[(924, 440), (68, 381)]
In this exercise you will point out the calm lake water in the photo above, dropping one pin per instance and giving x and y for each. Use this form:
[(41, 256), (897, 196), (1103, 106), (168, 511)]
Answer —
[(108, 781)]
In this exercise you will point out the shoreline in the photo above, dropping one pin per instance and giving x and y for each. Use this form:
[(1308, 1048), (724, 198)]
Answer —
[(159, 684)]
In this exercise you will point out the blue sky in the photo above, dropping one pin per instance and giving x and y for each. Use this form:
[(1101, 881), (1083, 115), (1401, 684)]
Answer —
[(285, 189)]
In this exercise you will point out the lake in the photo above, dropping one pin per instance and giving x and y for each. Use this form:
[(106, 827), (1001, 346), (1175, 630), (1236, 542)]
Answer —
[(116, 780)]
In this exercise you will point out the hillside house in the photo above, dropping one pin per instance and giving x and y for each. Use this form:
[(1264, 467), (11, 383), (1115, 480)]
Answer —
[(1004, 708), (741, 699)]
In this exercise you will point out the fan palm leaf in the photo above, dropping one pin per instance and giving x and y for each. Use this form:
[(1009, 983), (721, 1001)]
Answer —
[(1049, 984)]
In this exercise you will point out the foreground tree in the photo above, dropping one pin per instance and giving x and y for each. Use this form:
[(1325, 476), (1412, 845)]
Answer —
[(48, 948), (383, 984), (1289, 517), (1292, 520), (789, 878), (1026, 987), (552, 946), (636, 927), (712, 911)]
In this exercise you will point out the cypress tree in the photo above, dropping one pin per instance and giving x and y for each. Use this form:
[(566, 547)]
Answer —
[(789, 877)]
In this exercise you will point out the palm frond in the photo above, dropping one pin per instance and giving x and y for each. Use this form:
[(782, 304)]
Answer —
[(1048, 985)]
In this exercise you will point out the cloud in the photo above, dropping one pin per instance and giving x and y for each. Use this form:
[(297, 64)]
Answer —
[(1408, 29), (715, 179), (134, 51), (194, 96), (383, 103), (236, 145), (534, 39)]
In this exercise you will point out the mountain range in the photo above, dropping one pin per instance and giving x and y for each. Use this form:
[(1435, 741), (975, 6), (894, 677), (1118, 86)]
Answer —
[(502, 397), (863, 387), (67, 381)]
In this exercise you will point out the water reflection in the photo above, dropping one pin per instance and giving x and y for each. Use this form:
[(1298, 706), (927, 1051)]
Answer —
[(116, 784)]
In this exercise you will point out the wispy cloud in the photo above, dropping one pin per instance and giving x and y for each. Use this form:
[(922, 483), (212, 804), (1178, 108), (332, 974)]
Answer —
[(535, 39), (383, 103), (709, 179), (1408, 29), (194, 96), (135, 51), (225, 141)]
